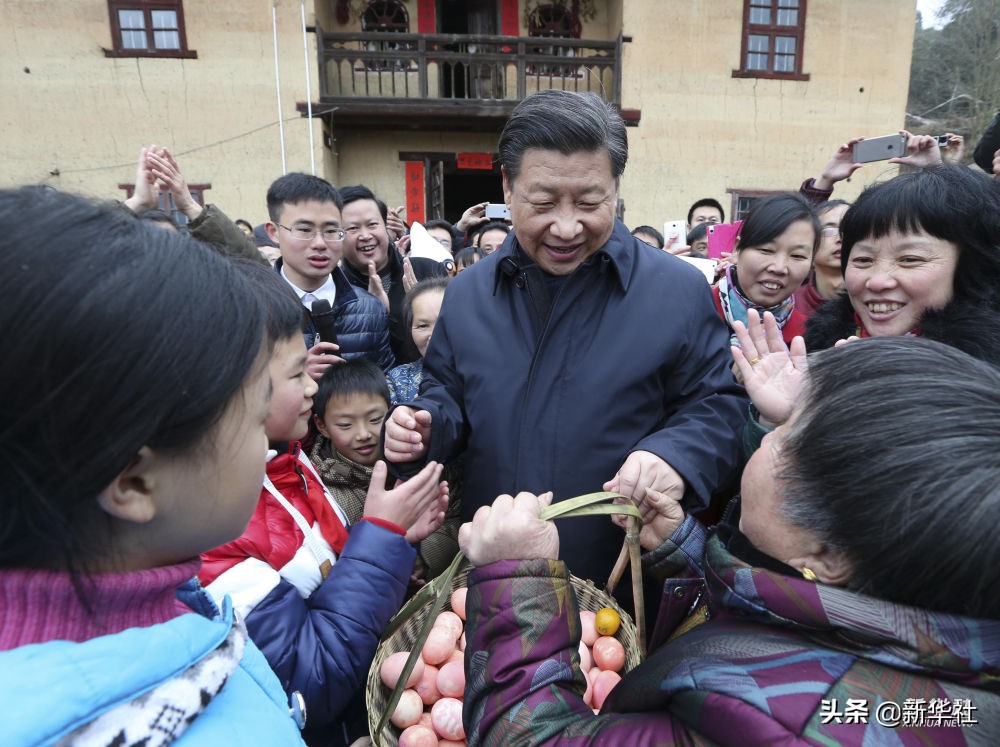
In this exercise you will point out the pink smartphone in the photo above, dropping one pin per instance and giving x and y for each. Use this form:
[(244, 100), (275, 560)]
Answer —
[(722, 238)]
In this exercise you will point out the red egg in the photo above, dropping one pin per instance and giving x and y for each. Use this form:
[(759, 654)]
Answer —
[(408, 709), (438, 646), (588, 695), (458, 601), (392, 667), (588, 630), (418, 736), (604, 684), (586, 659), (447, 715), (609, 654), (452, 743), (451, 680), (450, 621), (427, 687)]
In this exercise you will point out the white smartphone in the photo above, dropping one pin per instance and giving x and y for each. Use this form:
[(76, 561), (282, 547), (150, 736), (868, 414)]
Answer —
[(676, 228), (879, 148), (497, 211)]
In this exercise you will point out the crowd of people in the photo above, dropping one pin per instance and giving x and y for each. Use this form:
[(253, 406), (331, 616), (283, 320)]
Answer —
[(222, 481)]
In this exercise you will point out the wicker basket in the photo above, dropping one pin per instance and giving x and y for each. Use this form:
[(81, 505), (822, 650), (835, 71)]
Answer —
[(588, 597)]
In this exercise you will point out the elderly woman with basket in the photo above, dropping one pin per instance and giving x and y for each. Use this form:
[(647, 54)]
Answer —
[(846, 598)]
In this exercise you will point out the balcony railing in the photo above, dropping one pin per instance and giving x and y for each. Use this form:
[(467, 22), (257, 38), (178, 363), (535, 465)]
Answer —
[(485, 70)]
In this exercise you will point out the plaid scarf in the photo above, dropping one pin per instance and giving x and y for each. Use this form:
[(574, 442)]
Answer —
[(347, 481)]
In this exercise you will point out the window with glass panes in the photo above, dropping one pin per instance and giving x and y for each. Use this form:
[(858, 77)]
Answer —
[(773, 32), (148, 28)]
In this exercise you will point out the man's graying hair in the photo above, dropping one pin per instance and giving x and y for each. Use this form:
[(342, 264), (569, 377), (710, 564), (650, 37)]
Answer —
[(895, 460), (566, 122)]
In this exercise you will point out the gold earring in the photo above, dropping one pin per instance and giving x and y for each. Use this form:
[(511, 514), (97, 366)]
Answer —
[(808, 574)]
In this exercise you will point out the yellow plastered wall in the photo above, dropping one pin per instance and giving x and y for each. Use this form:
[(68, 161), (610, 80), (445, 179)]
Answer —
[(704, 132), (75, 119)]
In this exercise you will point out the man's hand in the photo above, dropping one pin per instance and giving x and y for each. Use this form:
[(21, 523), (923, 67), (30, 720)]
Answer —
[(407, 434), (472, 217), (956, 148), (840, 166), (418, 505), (773, 374), (145, 195), (320, 357), (394, 224), (375, 286), (510, 530), (409, 277), (165, 169), (643, 469)]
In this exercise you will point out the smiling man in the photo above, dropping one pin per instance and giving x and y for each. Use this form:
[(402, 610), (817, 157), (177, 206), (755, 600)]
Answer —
[(575, 357), (305, 223)]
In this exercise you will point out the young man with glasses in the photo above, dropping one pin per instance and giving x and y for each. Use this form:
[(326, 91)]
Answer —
[(305, 223)]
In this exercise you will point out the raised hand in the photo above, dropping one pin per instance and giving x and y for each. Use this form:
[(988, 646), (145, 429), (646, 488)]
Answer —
[(418, 504), (772, 374), (407, 434)]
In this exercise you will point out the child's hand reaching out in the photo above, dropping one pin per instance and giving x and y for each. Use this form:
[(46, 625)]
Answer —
[(417, 505)]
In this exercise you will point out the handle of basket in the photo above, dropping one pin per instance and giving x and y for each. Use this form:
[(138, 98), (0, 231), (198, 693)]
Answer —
[(436, 590), (594, 504)]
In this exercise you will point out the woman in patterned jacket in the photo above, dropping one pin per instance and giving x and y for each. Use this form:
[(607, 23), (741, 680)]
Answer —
[(846, 598)]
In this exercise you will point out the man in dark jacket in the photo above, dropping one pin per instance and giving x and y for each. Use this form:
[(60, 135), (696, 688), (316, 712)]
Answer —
[(305, 223), (575, 357), (368, 251)]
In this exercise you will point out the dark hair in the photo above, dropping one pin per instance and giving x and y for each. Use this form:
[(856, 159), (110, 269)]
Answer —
[(827, 205), (467, 256), (244, 223), (493, 225), (425, 285), (438, 223), (284, 313), (357, 192), (143, 339), (650, 231), (566, 122), (352, 377), (952, 203), (291, 189), (770, 216), (893, 460), (707, 202), (697, 233)]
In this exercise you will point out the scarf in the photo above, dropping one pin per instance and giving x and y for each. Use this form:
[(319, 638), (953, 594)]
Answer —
[(735, 305), (160, 716), (347, 481)]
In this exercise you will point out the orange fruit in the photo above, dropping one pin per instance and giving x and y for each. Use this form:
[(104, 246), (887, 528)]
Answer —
[(607, 621)]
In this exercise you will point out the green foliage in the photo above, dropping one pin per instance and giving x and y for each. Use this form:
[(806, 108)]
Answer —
[(955, 71)]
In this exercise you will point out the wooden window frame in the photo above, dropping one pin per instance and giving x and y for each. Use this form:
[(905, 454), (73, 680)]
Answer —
[(771, 31), (736, 194), (147, 7)]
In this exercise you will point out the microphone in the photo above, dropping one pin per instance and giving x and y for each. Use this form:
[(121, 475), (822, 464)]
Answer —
[(324, 320)]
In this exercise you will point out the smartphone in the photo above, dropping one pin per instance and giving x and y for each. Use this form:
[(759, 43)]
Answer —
[(497, 211), (722, 238), (879, 148), (676, 228), (942, 141)]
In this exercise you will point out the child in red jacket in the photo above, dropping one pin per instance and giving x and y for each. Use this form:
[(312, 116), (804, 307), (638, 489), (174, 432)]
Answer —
[(317, 593)]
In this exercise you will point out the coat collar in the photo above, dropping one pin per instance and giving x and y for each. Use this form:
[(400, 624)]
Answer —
[(619, 253)]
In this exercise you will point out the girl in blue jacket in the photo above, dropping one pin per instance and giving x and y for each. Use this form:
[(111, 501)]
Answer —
[(131, 440)]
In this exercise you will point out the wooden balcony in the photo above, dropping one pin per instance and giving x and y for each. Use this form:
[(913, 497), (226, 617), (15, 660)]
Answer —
[(453, 82)]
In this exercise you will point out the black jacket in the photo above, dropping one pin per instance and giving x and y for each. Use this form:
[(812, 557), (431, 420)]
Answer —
[(989, 143)]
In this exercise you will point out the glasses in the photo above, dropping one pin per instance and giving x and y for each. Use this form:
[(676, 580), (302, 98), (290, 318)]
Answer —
[(329, 235), (830, 231)]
